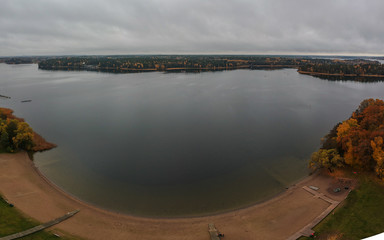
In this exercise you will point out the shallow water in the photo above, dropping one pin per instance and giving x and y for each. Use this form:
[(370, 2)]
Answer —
[(178, 144)]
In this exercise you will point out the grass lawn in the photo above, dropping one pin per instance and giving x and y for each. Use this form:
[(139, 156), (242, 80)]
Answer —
[(360, 215), (12, 221)]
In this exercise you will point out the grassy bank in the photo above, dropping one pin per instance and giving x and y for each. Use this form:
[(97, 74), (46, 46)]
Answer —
[(12, 221), (360, 216)]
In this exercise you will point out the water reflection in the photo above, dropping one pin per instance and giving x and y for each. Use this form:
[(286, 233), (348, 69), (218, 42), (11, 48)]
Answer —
[(178, 144)]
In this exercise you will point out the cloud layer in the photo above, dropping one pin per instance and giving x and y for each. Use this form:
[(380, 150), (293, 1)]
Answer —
[(52, 27)]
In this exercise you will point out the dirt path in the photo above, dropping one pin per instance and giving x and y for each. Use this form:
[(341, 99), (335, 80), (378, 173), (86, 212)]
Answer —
[(278, 218)]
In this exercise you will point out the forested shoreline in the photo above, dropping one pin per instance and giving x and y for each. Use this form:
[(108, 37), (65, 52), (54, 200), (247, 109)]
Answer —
[(334, 69), (168, 63), (356, 142), (362, 69)]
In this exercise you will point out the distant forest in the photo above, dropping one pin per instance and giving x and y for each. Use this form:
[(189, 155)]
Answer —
[(346, 68), (167, 63), (331, 68)]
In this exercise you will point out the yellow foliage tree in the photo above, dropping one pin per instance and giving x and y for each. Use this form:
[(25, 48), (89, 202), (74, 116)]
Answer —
[(345, 127), (24, 136), (378, 155), (348, 155), (15, 135), (343, 132), (328, 158)]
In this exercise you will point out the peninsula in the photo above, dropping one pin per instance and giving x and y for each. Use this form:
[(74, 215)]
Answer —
[(17, 135)]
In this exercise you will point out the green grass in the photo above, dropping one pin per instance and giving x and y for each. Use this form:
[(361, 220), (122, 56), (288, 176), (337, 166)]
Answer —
[(360, 216), (12, 221)]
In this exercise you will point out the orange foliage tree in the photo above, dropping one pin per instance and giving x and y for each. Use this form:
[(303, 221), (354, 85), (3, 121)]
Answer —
[(358, 140)]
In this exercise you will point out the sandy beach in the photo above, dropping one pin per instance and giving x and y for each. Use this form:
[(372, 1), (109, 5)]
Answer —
[(278, 218)]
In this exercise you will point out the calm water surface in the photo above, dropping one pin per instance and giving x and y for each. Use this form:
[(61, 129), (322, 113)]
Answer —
[(178, 144)]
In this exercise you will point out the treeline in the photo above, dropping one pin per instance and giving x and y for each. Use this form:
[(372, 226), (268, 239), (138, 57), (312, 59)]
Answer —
[(356, 142), (166, 63), (355, 69), (23, 60), (344, 68), (19, 61)]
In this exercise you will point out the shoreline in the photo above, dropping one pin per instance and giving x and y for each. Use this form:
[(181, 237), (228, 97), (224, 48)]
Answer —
[(213, 214), (170, 69), (340, 74), (40, 143), (24, 185)]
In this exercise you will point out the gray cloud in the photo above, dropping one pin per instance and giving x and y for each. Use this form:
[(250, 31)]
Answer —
[(43, 27)]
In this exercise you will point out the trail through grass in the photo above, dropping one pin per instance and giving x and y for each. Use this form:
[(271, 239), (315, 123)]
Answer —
[(12, 221)]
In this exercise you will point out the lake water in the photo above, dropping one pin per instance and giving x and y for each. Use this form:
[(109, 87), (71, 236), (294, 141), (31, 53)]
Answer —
[(178, 144)]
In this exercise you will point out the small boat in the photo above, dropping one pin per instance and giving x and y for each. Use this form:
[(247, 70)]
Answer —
[(24, 101)]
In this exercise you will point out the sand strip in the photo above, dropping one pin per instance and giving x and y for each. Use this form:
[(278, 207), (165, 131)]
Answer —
[(278, 218)]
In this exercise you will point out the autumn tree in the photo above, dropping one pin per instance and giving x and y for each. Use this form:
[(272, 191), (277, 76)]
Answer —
[(15, 135), (356, 142), (328, 158), (378, 155), (330, 140), (23, 138)]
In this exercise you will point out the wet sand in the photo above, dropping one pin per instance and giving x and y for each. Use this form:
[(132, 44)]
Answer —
[(278, 218)]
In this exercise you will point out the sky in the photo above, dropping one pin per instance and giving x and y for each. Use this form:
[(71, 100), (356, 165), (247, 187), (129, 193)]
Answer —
[(78, 27)]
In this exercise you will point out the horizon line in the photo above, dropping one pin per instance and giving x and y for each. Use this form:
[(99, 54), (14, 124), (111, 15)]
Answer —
[(200, 54)]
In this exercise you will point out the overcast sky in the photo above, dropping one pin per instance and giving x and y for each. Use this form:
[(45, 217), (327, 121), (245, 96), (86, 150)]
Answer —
[(57, 27)]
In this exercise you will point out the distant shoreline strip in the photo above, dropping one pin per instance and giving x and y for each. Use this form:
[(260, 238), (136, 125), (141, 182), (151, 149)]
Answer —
[(339, 74)]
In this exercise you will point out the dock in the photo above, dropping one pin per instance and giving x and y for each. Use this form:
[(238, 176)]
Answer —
[(3, 96), (212, 232)]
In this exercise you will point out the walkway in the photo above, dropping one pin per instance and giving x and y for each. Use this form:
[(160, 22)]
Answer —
[(307, 230), (40, 227)]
